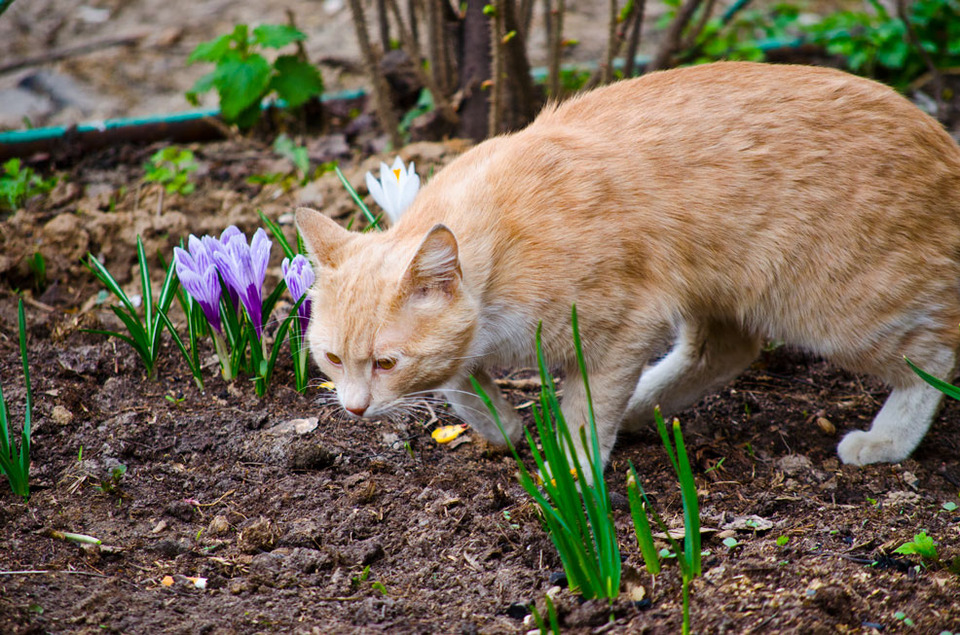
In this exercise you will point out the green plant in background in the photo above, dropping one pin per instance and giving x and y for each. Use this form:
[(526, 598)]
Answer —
[(922, 545), (143, 334), (17, 466), (19, 183), (877, 44), (578, 517), (243, 77), (38, 267), (552, 624), (688, 556), (171, 168), (739, 35)]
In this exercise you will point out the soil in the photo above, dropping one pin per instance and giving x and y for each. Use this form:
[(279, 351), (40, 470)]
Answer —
[(302, 521)]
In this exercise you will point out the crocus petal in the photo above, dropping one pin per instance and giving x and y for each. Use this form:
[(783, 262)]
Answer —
[(373, 185), (260, 255), (409, 191), (391, 192), (199, 277)]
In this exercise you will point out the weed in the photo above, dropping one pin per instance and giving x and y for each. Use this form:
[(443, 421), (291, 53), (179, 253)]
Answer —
[(143, 334), (17, 466), (38, 267), (578, 517), (19, 183), (554, 622), (921, 545), (243, 77), (171, 167), (689, 556), (731, 543), (782, 541)]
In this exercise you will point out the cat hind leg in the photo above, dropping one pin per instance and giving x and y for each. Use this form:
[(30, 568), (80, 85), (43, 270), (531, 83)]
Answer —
[(705, 357), (905, 416)]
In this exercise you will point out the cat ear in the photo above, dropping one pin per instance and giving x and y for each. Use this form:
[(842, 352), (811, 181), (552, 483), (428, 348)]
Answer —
[(436, 265), (321, 236)]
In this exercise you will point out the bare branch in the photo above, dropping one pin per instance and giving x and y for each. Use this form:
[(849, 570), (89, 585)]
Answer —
[(388, 118)]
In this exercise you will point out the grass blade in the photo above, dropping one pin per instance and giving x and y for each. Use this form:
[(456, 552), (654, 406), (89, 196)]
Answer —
[(373, 220), (641, 524), (948, 389)]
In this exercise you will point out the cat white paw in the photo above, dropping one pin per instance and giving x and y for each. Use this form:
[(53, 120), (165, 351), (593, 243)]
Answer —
[(863, 448)]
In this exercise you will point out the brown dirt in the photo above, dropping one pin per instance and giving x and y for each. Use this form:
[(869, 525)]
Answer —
[(282, 523)]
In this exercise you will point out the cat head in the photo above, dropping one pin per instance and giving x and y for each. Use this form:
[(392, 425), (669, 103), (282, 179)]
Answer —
[(389, 316)]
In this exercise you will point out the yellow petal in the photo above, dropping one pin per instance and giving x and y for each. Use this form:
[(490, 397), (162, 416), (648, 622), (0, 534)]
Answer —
[(167, 580), (446, 434)]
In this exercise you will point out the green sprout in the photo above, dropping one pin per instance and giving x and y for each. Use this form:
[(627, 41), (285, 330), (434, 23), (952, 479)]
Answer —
[(782, 541), (143, 334), (19, 183), (554, 623), (243, 77), (921, 545), (688, 556), (17, 467), (578, 516), (171, 167)]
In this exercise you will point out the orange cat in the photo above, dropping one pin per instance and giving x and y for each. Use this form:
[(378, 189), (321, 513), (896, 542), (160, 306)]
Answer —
[(712, 206)]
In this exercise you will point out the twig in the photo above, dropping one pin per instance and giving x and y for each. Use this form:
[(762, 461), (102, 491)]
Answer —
[(72, 51), (613, 44), (388, 118), (383, 22), (496, 75), (67, 571), (519, 66), (636, 24), (555, 45), (671, 41), (406, 39), (691, 39)]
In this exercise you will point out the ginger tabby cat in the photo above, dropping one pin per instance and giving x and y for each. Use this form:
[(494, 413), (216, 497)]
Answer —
[(711, 207)]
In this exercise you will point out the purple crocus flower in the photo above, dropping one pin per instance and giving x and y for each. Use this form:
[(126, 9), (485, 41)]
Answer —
[(243, 268), (198, 275), (213, 245), (299, 277)]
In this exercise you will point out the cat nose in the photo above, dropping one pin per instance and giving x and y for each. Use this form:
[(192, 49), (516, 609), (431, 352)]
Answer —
[(358, 411)]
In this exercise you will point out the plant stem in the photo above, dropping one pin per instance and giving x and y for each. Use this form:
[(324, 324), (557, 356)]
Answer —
[(686, 605)]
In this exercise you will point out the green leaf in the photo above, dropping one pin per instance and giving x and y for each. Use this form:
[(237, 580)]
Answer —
[(241, 84), (948, 389), (276, 36), (296, 81), (212, 51)]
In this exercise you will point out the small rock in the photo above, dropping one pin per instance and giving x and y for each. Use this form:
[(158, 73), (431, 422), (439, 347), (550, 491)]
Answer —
[(749, 523), (910, 479), (518, 610), (826, 426), (559, 578), (61, 416), (169, 548), (218, 526), (181, 510), (794, 463), (311, 456), (259, 536)]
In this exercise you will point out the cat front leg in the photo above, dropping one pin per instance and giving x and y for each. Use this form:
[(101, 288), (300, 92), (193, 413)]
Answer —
[(471, 409), (610, 390)]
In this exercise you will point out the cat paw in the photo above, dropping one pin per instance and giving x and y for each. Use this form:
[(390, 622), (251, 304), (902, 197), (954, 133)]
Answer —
[(863, 448)]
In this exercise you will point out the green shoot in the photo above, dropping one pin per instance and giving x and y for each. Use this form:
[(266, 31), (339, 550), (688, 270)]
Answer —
[(578, 517), (171, 168), (17, 467), (921, 545), (143, 334), (19, 183), (688, 557), (373, 220)]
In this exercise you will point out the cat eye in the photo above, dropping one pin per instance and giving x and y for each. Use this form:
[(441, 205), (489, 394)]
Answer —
[(385, 363), (333, 359)]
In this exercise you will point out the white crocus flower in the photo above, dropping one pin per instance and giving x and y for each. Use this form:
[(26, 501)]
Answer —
[(396, 188)]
